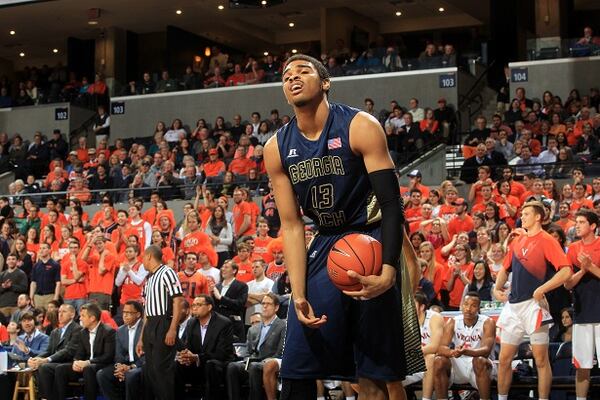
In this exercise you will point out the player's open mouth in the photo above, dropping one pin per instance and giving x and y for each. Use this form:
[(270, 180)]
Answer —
[(296, 88)]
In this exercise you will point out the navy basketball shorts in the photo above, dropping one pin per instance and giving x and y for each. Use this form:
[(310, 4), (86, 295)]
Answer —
[(362, 338)]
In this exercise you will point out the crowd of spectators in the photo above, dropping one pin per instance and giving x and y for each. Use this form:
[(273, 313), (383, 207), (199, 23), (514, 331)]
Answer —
[(547, 137), (57, 84)]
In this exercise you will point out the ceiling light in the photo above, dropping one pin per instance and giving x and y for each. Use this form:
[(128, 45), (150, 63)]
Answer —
[(178, 12), (398, 13), (21, 54), (294, 51), (263, 2), (441, 9), (266, 53), (291, 24), (221, 7), (55, 51), (92, 22), (12, 32)]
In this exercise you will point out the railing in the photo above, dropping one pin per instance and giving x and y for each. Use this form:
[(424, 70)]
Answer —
[(472, 99), (569, 47), (556, 170)]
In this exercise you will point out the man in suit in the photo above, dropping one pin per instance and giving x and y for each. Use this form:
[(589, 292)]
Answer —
[(208, 348), (410, 134), (265, 340), (468, 173), (230, 298), (95, 350), (61, 349), (126, 375)]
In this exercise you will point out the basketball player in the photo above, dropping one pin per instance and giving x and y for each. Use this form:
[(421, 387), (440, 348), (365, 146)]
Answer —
[(585, 282), (431, 324), (538, 265), (473, 336), (332, 161)]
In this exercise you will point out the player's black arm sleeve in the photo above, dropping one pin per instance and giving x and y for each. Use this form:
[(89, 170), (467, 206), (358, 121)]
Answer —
[(386, 188)]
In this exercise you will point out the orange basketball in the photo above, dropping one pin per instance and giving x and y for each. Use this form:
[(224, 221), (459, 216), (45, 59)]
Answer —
[(358, 252)]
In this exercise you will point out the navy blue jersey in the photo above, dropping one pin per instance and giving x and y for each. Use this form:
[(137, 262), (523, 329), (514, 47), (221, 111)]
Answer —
[(330, 181)]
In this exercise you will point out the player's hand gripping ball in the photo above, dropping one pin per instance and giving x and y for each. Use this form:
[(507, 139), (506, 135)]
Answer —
[(358, 252)]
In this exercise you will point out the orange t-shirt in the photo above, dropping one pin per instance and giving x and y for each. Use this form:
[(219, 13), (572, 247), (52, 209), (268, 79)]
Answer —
[(459, 286), (260, 248), (245, 270), (98, 217), (129, 290), (241, 166), (167, 254), (583, 203), (101, 283), (413, 214), (239, 212), (76, 290), (214, 168), (447, 212), (565, 225), (275, 271), (457, 225), (193, 285), (195, 241)]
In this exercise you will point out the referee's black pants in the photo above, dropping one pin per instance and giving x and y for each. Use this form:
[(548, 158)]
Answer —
[(159, 367)]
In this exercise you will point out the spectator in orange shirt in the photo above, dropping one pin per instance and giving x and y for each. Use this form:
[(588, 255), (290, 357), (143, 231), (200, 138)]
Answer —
[(565, 220), (262, 240), (214, 167), (79, 191), (244, 263), (131, 276), (516, 188), (237, 78), (448, 210), (242, 216), (168, 256), (196, 239), (462, 222), (118, 235), (193, 282), (82, 150), (150, 214), (242, 164), (579, 199), (276, 268), (415, 177), (412, 212), (101, 271), (73, 276), (459, 274)]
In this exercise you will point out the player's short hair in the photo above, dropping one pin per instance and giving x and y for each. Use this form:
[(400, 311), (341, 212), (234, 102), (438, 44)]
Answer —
[(590, 216), (323, 73), (474, 295), (537, 207), (421, 299)]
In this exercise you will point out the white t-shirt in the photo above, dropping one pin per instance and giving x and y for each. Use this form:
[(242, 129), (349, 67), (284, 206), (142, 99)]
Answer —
[(263, 286), (211, 273)]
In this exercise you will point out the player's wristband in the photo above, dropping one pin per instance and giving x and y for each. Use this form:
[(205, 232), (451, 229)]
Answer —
[(386, 188)]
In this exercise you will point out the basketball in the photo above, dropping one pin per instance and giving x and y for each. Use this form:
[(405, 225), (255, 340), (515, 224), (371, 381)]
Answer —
[(358, 252)]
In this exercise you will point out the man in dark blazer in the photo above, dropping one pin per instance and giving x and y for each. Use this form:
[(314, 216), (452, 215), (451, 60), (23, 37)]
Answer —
[(230, 298), (125, 376), (95, 350), (61, 349), (208, 347), (468, 171), (265, 340)]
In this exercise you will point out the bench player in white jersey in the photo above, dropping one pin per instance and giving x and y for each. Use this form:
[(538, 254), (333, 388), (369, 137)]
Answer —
[(431, 325), (585, 283), (473, 336)]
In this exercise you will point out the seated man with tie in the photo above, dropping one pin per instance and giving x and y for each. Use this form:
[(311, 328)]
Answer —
[(95, 350), (125, 376), (265, 340), (61, 349), (208, 348)]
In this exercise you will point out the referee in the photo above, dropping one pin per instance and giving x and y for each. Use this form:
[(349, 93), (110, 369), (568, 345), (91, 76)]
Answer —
[(163, 307)]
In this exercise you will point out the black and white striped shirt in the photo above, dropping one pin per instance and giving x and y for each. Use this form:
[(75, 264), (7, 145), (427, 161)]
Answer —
[(160, 288)]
